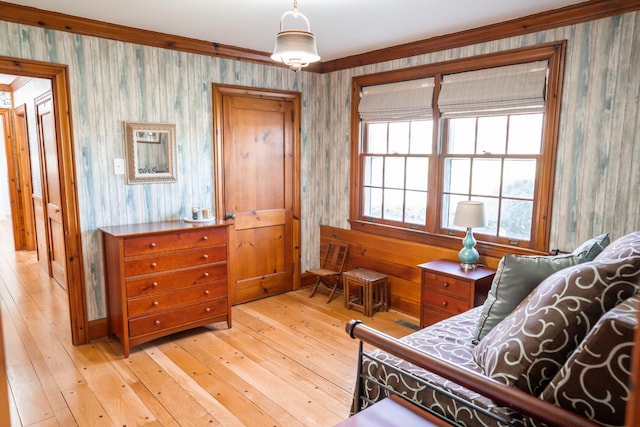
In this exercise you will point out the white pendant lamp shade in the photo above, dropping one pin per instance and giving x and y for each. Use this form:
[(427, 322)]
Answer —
[(296, 48)]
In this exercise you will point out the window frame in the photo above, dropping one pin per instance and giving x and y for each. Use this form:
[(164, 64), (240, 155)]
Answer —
[(554, 53)]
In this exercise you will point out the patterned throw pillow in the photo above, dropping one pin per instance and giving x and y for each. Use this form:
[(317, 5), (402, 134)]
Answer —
[(530, 345), (518, 275), (595, 380)]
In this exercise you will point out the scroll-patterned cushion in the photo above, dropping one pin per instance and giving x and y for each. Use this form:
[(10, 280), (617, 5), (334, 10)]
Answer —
[(595, 380), (531, 344), (518, 275)]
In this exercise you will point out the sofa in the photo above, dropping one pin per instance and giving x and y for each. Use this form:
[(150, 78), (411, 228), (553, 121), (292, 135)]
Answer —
[(559, 329)]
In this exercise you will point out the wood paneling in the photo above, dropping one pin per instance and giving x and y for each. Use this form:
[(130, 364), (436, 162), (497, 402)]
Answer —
[(397, 258)]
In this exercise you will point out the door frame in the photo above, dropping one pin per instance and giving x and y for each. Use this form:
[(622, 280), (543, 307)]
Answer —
[(59, 76), (219, 91)]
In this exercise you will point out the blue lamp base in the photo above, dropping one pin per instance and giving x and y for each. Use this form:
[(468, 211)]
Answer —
[(468, 255)]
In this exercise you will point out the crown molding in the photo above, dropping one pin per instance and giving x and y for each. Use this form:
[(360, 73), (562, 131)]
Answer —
[(569, 15)]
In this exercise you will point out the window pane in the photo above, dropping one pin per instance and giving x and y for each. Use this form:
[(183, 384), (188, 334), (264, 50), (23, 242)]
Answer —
[(393, 204), (399, 137), (486, 177), (421, 137), (492, 135), (457, 173), (416, 207), (394, 172), (372, 202), (519, 178), (376, 138), (417, 173), (449, 204), (462, 136), (525, 134), (373, 171), (515, 219), (491, 214)]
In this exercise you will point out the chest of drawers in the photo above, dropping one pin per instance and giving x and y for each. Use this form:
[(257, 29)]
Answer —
[(447, 289), (163, 278)]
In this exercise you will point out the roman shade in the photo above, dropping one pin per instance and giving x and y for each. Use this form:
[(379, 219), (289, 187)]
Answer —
[(493, 91), (407, 100)]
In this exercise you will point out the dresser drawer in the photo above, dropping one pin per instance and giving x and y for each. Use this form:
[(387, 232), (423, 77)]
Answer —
[(152, 244), (448, 285), (168, 300), (171, 260), (178, 316), (443, 302), (151, 284)]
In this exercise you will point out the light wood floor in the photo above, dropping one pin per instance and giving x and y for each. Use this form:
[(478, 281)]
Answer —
[(287, 361)]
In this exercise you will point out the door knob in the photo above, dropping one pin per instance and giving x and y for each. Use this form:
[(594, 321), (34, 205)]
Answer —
[(230, 215)]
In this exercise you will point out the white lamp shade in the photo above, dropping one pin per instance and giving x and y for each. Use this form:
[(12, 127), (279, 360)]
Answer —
[(295, 48), (470, 214)]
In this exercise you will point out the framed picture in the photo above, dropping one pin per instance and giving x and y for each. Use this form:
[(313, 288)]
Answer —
[(148, 137)]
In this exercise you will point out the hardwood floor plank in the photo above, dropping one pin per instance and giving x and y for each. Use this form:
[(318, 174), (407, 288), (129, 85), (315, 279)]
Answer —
[(191, 387), (170, 394), (86, 407), (114, 394)]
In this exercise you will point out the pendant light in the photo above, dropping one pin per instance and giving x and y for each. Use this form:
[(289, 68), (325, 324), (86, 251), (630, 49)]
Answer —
[(296, 48)]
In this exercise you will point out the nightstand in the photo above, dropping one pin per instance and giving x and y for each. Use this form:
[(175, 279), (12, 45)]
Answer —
[(448, 290)]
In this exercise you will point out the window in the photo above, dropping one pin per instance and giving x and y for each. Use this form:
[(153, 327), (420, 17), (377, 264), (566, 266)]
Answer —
[(482, 128)]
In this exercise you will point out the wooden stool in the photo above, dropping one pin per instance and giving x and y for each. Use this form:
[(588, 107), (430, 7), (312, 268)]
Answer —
[(372, 291)]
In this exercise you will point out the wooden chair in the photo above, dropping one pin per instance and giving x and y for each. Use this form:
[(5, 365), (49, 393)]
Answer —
[(330, 274)]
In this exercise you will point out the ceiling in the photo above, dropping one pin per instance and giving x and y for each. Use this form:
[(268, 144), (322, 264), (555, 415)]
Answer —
[(342, 27)]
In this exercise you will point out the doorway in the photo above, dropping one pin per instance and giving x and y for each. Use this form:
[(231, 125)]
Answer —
[(68, 209), (257, 174)]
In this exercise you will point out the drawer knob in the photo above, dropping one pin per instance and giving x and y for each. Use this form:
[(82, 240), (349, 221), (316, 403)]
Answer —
[(153, 265), (206, 274), (445, 284), (206, 292), (155, 303), (205, 238), (152, 245), (205, 256), (207, 310), (157, 322), (154, 285), (445, 303)]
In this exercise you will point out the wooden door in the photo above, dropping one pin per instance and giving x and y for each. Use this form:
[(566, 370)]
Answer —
[(258, 149), (52, 198), (23, 157)]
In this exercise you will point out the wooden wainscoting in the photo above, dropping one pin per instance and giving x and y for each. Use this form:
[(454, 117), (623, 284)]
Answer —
[(399, 259)]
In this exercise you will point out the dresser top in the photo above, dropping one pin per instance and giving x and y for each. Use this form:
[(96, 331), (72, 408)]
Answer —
[(158, 227)]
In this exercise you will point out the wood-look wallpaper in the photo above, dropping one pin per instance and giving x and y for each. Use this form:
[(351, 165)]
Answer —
[(597, 177), (597, 183)]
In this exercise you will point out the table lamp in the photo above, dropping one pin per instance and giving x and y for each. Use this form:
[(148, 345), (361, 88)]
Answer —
[(469, 214)]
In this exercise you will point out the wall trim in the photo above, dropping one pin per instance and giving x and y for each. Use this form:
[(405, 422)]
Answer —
[(569, 15)]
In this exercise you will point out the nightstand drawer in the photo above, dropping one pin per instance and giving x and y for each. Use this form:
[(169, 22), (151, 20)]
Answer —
[(447, 289), (429, 317), (444, 302), (445, 284)]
